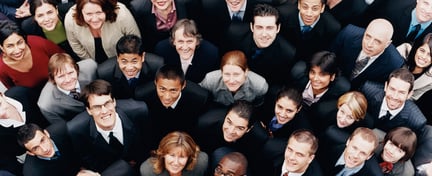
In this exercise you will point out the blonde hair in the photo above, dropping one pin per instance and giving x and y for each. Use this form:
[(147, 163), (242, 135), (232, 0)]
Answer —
[(356, 102)]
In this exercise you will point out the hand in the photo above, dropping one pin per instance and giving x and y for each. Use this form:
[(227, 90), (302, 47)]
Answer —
[(23, 10), (85, 172)]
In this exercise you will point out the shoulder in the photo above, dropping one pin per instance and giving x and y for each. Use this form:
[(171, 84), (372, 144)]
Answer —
[(46, 95), (106, 69), (146, 168)]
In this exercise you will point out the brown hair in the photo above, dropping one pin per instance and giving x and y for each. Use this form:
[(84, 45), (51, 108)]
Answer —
[(367, 134), (405, 139), (109, 7), (356, 102), (235, 57), (189, 29), (170, 141), (306, 136)]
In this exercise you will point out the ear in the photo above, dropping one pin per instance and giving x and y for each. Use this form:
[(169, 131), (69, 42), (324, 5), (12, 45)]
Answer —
[(311, 157), (114, 102), (298, 110), (46, 133), (30, 153), (372, 153), (278, 28), (385, 86), (184, 84), (143, 56), (251, 26), (88, 111), (247, 131), (333, 76)]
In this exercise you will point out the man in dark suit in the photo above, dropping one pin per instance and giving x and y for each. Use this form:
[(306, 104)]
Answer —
[(218, 15), (104, 134), (313, 31), (355, 157), (269, 54), (366, 54), (407, 18), (187, 49), (66, 79), (149, 17), (49, 151), (300, 154), (390, 106), (173, 102), (132, 67), (422, 158)]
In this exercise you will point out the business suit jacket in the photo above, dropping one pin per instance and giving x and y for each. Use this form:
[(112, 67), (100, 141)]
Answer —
[(313, 169), (347, 47), (300, 121), (193, 102), (205, 59), (410, 116), (95, 153), (423, 152), (66, 164), (319, 38), (328, 159), (215, 19), (274, 63), (401, 24), (110, 71), (146, 20), (56, 106)]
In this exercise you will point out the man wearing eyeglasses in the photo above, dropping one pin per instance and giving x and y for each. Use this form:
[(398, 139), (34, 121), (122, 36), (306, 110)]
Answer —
[(232, 164), (104, 133)]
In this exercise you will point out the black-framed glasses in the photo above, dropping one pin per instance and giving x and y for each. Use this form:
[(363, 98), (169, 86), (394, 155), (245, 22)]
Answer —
[(97, 108)]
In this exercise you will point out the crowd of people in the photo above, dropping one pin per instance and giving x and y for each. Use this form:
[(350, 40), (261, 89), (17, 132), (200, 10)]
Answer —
[(216, 87)]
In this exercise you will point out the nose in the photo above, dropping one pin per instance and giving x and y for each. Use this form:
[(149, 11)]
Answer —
[(231, 129)]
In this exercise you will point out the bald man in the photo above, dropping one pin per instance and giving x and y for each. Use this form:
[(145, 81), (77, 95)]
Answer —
[(233, 163), (367, 54)]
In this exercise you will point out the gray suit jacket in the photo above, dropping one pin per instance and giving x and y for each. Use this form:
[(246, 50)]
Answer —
[(57, 106)]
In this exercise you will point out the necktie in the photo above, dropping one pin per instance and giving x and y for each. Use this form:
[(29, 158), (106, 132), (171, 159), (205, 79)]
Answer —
[(359, 65), (56, 155), (132, 82), (74, 94), (306, 29), (386, 167), (257, 53), (285, 174), (337, 169), (236, 17), (413, 34), (385, 117), (115, 143)]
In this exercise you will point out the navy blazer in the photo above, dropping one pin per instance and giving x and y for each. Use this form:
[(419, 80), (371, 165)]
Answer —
[(319, 38), (347, 47), (146, 21), (66, 164), (110, 71), (95, 153), (205, 59), (410, 116)]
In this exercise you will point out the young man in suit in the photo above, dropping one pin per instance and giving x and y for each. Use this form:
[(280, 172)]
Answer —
[(49, 151), (310, 33), (366, 54), (130, 69), (104, 134), (59, 100), (390, 106), (300, 154), (173, 102), (355, 157)]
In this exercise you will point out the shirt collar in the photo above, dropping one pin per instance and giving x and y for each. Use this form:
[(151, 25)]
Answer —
[(341, 161), (154, 8), (284, 170), (176, 102), (67, 92), (117, 130), (242, 8), (415, 22), (384, 108), (56, 150), (302, 23)]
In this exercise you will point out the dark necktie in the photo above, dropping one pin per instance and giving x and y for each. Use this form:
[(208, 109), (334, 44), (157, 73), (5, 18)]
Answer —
[(386, 167), (132, 82), (359, 65), (257, 53), (412, 35), (115, 143), (337, 169), (386, 116), (74, 94), (306, 29), (236, 17), (56, 155)]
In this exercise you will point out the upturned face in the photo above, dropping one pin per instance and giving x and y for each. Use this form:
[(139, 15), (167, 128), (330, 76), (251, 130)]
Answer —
[(14, 47), (344, 116), (392, 153), (102, 109), (424, 10), (163, 5), (66, 78), (175, 161), (423, 56), (168, 90), (310, 10), (297, 156), (396, 93), (235, 5), (94, 16), (264, 30), (233, 77), (46, 16), (184, 45), (130, 64), (285, 110), (357, 151), (41, 145), (320, 80), (234, 127)]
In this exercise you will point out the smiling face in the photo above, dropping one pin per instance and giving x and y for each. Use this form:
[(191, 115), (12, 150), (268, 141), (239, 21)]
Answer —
[(40, 145), (184, 45), (46, 16), (297, 156), (264, 30), (14, 47), (130, 64), (102, 109), (168, 90), (234, 127), (310, 10), (93, 15), (357, 151), (163, 5), (392, 153), (235, 5), (320, 80), (344, 116), (285, 110), (396, 93), (66, 78), (175, 160), (233, 77), (424, 10), (422, 57)]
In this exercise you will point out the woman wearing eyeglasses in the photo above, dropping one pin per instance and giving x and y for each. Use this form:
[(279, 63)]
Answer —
[(177, 155)]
